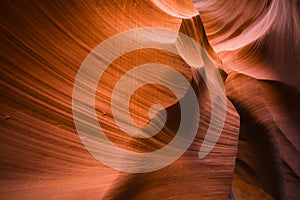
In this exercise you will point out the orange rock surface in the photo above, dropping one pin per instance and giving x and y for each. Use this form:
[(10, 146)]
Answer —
[(255, 45)]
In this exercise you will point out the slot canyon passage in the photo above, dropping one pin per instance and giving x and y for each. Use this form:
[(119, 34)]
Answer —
[(254, 46)]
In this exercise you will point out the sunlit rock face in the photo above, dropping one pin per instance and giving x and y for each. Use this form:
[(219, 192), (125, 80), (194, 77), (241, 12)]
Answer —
[(255, 45)]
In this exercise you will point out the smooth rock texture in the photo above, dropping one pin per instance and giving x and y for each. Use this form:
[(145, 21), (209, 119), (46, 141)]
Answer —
[(255, 45)]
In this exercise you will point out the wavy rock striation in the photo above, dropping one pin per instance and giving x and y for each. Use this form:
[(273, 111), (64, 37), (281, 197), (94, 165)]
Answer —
[(255, 45)]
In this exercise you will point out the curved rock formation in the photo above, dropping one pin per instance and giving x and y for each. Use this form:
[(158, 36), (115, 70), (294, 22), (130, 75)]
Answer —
[(255, 45)]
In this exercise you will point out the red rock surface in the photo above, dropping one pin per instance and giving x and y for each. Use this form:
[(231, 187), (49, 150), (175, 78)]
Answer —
[(254, 43)]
